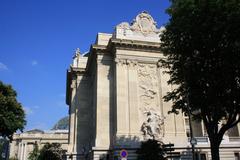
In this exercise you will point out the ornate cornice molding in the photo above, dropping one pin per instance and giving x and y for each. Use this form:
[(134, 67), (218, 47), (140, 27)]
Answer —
[(126, 44), (77, 70), (98, 48)]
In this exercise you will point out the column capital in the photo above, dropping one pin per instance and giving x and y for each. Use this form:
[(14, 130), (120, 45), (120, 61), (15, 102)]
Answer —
[(132, 63), (120, 62)]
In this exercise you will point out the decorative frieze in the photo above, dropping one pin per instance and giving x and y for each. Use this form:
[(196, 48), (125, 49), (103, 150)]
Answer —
[(131, 63), (122, 62)]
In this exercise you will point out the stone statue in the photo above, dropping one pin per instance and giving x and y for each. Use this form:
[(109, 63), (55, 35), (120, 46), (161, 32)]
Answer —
[(152, 128), (77, 52)]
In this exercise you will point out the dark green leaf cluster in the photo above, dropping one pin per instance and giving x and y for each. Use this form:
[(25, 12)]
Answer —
[(202, 48), (201, 44), (51, 151), (151, 150), (12, 116), (34, 155)]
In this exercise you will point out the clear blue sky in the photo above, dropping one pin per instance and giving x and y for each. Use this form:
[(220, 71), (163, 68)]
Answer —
[(38, 39)]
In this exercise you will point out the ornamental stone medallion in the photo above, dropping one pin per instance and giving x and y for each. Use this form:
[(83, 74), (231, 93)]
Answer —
[(144, 23), (142, 28)]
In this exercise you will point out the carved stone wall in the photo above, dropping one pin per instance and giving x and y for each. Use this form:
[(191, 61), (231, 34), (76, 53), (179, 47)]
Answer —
[(151, 120), (147, 77)]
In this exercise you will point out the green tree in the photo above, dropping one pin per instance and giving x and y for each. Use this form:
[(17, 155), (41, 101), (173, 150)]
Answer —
[(35, 153), (12, 116), (151, 150), (51, 151), (201, 43)]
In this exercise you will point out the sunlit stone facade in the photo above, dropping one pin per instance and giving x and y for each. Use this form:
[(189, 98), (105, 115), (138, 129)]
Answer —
[(23, 143), (115, 92)]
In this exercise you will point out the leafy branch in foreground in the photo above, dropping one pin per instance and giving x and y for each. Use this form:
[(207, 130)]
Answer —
[(201, 45)]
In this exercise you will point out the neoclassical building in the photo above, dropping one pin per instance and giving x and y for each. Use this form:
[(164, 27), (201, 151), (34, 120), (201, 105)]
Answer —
[(115, 92), (23, 143)]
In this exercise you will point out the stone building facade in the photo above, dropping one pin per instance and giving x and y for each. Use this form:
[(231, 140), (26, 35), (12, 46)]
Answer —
[(23, 143), (115, 92)]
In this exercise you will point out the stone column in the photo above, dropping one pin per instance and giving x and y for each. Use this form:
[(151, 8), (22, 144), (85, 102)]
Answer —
[(238, 128), (75, 130), (22, 149), (170, 121), (19, 151), (160, 93), (103, 103), (72, 127), (76, 108), (174, 129), (25, 151), (83, 113), (121, 76), (133, 98)]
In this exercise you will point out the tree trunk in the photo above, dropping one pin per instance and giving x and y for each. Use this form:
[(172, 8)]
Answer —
[(214, 142)]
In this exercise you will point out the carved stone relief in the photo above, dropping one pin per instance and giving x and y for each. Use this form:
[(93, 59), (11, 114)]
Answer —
[(147, 77), (131, 63), (152, 124), (152, 127), (143, 23), (122, 62), (124, 25)]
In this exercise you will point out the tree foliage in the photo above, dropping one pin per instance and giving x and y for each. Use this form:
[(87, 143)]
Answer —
[(35, 153), (12, 116), (51, 151), (201, 43), (151, 150)]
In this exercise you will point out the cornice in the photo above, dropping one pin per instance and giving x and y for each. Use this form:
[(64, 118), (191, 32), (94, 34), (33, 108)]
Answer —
[(126, 44), (71, 73), (98, 48), (77, 70)]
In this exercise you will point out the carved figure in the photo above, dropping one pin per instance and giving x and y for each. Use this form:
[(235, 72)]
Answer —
[(152, 128)]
